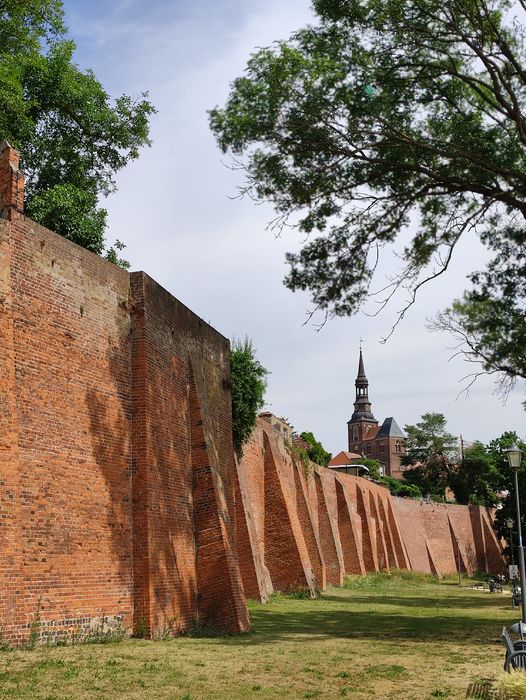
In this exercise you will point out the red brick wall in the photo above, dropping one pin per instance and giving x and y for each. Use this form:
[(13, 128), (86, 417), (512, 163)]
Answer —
[(348, 524), (350, 538), (442, 538), (117, 498), (249, 553), (306, 519), (285, 550), (12, 585), (11, 183), (120, 501), (251, 475), (328, 526), (73, 397)]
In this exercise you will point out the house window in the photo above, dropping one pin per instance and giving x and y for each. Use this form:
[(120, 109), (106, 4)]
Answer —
[(355, 435), (369, 448), (382, 447), (398, 446)]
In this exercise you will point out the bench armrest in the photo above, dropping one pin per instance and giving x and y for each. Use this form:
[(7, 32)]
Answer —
[(519, 657)]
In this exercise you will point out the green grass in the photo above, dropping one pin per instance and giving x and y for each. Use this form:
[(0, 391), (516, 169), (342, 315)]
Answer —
[(512, 685), (398, 636), (401, 577)]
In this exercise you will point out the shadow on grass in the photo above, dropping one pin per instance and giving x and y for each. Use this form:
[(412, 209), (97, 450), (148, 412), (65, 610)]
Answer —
[(458, 617), (424, 602), (273, 625)]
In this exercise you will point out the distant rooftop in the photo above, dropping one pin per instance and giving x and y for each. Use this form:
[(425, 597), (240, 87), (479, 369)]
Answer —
[(343, 458), (390, 428), (372, 433)]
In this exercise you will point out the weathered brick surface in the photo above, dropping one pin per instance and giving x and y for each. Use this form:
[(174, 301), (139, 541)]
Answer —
[(328, 527), (368, 526), (493, 549), (306, 519), (116, 502), (11, 183), (221, 599), (286, 554), (254, 583), (349, 524), (252, 487), (73, 368), (350, 540), (444, 537), (12, 584)]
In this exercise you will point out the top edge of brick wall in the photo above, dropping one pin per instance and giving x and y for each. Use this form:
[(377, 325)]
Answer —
[(169, 297), (89, 257)]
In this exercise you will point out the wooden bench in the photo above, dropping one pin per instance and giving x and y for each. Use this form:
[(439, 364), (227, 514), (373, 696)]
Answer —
[(515, 652)]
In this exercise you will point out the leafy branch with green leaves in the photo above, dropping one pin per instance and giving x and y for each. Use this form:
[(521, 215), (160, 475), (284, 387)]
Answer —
[(73, 138), (248, 382), (315, 450)]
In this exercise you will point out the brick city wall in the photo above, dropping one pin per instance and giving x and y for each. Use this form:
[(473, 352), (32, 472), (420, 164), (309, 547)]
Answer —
[(116, 467), (121, 502), (308, 527)]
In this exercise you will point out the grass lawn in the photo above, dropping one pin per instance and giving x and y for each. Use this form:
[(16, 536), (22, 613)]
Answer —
[(381, 638)]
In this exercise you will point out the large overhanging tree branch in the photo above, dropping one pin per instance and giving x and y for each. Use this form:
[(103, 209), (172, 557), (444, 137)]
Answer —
[(388, 117)]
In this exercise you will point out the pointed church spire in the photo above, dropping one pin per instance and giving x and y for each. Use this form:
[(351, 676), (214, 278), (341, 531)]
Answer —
[(362, 406), (361, 369)]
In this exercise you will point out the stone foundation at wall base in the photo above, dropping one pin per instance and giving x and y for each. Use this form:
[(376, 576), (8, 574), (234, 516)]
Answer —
[(74, 630)]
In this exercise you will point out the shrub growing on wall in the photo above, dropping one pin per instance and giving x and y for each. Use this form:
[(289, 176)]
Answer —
[(248, 390), (316, 452)]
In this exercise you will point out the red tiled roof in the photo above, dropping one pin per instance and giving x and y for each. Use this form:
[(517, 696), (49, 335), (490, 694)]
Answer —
[(372, 433), (343, 458)]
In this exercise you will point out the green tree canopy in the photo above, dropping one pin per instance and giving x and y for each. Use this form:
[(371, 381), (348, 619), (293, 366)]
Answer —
[(373, 465), (72, 137), (399, 488), (431, 454), (248, 390), (394, 121), (476, 479), (315, 451), (496, 449)]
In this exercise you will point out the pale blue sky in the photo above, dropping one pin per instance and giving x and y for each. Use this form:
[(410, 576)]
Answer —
[(174, 210)]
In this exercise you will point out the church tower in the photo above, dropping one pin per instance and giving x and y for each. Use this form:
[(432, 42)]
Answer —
[(362, 421)]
